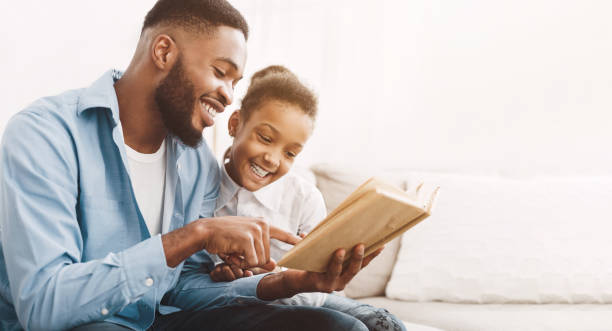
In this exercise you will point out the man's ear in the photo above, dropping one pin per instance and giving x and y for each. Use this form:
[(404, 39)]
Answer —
[(164, 52), (234, 123)]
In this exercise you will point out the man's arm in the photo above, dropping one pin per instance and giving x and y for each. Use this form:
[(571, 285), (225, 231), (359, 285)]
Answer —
[(42, 243)]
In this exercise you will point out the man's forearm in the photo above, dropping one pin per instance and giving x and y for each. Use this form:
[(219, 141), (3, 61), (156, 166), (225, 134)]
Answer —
[(284, 285), (274, 286), (181, 243)]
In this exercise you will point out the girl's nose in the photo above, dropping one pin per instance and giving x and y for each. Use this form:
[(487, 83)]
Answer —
[(271, 160)]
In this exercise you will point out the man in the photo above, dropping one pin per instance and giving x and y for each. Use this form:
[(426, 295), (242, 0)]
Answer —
[(107, 195)]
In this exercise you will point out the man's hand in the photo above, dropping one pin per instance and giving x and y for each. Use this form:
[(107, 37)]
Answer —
[(245, 239), (336, 277), (291, 282), (239, 260)]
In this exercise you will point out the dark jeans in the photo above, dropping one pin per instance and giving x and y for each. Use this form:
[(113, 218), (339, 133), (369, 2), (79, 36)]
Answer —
[(376, 319), (248, 317)]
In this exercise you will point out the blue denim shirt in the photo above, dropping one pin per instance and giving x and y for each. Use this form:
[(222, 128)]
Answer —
[(75, 247)]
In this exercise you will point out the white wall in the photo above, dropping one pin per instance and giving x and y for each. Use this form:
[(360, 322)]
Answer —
[(471, 85), (59, 45), (474, 85)]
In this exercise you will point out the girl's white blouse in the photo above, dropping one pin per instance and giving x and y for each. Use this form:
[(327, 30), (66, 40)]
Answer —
[(290, 203)]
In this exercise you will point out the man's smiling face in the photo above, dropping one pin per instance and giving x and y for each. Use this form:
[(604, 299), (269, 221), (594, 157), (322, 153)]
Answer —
[(201, 82)]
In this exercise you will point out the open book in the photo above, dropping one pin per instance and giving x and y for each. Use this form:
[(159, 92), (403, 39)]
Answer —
[(374, 214)]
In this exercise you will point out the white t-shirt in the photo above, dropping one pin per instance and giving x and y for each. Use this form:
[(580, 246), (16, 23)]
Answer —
[(290, 203), (148, 176)]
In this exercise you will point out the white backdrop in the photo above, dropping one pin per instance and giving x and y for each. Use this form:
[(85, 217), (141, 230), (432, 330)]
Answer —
[(515, 87)]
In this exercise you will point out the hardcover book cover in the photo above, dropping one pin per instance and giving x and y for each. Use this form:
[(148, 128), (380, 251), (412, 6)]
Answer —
[(374, 214)]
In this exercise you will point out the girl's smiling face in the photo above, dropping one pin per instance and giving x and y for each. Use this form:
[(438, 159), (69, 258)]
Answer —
[(266, 144)]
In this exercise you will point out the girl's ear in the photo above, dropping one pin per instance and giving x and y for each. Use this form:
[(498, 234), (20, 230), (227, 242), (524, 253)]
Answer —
[(234, 123)]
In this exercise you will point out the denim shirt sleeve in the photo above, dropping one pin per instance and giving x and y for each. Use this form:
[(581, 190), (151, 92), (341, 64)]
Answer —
[(42, 241)]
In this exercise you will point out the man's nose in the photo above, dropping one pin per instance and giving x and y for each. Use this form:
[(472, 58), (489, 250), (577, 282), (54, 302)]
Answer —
[(226, 91)]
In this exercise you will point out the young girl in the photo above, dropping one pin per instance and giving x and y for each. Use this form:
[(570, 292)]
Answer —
[(275, 121)]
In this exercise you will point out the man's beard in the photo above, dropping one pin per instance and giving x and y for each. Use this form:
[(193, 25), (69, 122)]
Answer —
[(175, 99)]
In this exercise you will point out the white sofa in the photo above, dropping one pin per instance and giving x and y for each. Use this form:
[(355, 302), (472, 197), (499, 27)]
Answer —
[(497, 254)]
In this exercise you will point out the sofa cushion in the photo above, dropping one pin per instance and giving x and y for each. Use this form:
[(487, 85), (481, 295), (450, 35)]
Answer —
[(372, 280), (499, 240), (500, 317)]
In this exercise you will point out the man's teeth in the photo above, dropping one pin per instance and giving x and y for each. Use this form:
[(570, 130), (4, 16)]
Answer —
[(212, 111), (258, 170)]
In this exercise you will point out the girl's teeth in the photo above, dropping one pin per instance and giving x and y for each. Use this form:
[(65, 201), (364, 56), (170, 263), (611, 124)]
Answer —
[(258, 171)]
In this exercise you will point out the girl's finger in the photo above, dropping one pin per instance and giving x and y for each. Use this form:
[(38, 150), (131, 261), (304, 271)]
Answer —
[(238, 273), (227, 272)]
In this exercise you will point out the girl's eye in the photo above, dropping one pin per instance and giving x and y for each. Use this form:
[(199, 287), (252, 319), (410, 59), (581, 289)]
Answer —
[(219, 72), (264, 138), (291, 155)]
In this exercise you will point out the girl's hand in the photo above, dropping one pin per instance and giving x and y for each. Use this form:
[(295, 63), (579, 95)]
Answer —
[(224, 272), (227, 272)]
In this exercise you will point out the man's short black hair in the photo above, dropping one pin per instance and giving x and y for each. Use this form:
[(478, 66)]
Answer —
[(196, 15)]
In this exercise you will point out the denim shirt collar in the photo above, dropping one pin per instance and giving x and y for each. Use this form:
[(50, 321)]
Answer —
[(101, 95)]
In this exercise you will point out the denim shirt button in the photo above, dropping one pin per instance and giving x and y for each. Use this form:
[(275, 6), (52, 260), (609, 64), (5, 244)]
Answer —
[(149, 282), (104, 311)]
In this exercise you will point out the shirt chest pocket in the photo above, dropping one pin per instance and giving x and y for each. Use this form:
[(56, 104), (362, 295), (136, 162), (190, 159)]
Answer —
[(107, 225)]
